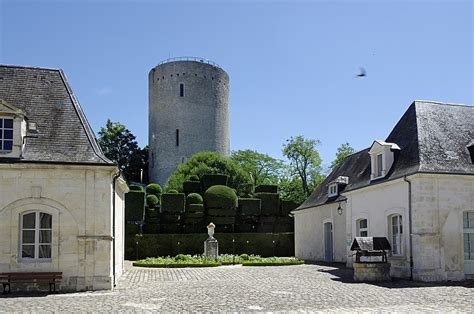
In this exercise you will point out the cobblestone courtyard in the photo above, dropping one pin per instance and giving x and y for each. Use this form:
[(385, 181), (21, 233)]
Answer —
[(304, 288)]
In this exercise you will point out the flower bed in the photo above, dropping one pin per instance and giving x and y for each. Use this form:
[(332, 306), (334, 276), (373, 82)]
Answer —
[(181, 261)]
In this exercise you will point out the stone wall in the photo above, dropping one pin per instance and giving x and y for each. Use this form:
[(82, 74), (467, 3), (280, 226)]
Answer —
[(201, 115), (79, 198)]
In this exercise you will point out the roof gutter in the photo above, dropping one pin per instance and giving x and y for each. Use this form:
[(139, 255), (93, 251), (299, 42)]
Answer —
[(410, 226)]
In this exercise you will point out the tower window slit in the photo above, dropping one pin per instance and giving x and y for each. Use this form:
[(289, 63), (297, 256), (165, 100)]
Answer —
[(181, 90), (177, 137)]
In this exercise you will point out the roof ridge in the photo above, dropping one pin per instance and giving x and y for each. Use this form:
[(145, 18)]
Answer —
[(29, 67), (441, 103)]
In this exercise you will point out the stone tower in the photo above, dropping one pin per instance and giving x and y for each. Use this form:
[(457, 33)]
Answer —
[(188, 113)]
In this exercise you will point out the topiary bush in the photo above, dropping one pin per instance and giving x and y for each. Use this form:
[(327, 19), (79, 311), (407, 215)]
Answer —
[(181, 257), (220, 196), (266, 188), (136, 188), (193, 177), (194, 198), (152, 200), (134, 205), (191, 187), (173, 191), (154, 189), (250, 206), (270, 203), (172, 203), (209, 180)]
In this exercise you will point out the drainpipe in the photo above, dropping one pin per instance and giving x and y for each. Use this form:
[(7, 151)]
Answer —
[(114, 180), (410, 227)]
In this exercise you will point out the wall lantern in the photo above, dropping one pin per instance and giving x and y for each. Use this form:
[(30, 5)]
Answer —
[(339, 209)]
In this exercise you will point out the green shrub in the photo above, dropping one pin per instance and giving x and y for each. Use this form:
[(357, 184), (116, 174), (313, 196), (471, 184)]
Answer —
[(209, 163), (266, 188), (172, 203), (136, 188), (273, 261), (173, 191), (209, 180), (244, 257), (220, 196), (194, 198), (152, 200), (195, 208), (191, 187), (270, 203), (152, 215), (287, 206), (193, 177), (250, 206), (134, 205), (181, 257), (154, 189)]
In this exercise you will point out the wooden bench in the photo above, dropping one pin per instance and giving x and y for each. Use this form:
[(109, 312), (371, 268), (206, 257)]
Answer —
[(52, 278)]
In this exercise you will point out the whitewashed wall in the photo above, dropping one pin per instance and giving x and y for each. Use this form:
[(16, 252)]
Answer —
[(309, 232)]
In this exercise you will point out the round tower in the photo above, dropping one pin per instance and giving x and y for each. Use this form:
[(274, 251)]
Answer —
[(188, 113)]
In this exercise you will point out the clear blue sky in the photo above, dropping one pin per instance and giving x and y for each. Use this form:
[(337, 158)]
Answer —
[(291, 63)]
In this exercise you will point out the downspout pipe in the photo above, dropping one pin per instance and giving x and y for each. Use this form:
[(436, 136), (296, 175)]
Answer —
[(410, 226), (114, 181)]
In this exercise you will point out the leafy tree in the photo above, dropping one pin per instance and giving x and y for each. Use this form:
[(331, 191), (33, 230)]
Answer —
[(305, 161), (209, 163), (263, 168), (120, 146), (342, 152)]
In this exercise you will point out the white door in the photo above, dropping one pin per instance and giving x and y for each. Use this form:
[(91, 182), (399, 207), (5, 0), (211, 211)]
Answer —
[(468, 235), (328, 247)]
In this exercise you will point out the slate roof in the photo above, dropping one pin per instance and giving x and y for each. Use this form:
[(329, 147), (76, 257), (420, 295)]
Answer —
[(46, 97), (433, 138)]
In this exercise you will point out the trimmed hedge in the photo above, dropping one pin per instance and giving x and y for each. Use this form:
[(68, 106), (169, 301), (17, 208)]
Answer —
[(220, 196), (195, 208), (287, 206), (209, 180), (150, 245), (136, 188), (172, 203), (250, 206), (172, 191), (266, 188), (152, 215), (221, 212), (170, 218), (191, 187), (220, 221), (154, 188), (270, 203), (194, 177), (134, 205), (152, 200), (194, 198)]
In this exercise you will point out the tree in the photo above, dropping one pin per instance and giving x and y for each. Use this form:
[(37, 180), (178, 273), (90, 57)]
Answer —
[(342, 152), (209, 163), (263, 168), (304, 161), (120, 146)]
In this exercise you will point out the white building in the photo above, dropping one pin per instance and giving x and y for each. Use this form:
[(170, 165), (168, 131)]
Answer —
[(61, 199), (416, 188)]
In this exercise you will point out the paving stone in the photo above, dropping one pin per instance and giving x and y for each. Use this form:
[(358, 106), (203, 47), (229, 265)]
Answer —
[(302, 288)]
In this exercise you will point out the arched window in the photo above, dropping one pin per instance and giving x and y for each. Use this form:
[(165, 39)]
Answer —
[(396, 234), (362, 228), (36, 236)]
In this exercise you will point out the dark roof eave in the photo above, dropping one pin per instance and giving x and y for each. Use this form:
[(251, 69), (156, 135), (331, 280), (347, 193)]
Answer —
[(340, 198), (19, 161)]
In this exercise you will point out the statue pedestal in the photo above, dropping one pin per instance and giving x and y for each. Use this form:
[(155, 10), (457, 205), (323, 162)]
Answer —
[(211, 247)]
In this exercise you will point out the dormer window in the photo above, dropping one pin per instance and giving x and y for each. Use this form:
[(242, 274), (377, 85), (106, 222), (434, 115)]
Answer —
[(332, 190), (6, 135), (337, 185), (13, 130), (381, 158)]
